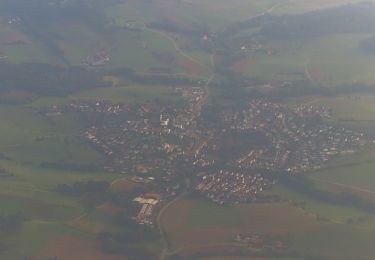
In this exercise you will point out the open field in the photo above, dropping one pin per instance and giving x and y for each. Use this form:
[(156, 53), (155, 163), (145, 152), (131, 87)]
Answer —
[(194, 223), (130, 94), (329, 61), (317, 228), (189, 11), (303, 6), (67, 247)]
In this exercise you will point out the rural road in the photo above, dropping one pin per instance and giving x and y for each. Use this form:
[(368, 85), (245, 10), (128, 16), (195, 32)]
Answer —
[(176, 47), (166, 251)]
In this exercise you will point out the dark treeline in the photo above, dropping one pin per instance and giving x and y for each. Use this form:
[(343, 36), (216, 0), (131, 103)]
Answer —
[(302, 185), (48, 80), (70, 166)]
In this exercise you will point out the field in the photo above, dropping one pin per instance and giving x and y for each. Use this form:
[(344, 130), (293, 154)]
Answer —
[(65, 247), (330, 61), (33, 146), (30, 139), (132, 94), (194, 223), (302, 6), (317, 228), (189, 11)]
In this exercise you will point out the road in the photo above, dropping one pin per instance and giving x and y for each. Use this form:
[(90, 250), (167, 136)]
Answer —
[(166, 250), (176, 47)]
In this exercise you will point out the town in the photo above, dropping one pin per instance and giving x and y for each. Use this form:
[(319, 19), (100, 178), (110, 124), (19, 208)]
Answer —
[(152, 142)]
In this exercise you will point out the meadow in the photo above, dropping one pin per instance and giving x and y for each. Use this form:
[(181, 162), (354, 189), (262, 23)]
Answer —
[(194, 222), (329, 61), (60, 225)]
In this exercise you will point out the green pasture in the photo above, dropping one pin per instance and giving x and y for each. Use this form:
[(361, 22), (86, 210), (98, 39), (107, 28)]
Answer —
[(329, 61), (131, 94), (303, 6), (188, 12)]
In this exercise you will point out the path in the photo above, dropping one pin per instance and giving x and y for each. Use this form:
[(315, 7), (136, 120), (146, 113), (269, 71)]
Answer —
[(166, 251)]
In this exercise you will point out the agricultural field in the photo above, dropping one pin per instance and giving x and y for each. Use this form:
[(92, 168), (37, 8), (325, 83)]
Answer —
[(330, 61), (194, 223), (47, 166), (132, 94), (189, 11), (303, 6)]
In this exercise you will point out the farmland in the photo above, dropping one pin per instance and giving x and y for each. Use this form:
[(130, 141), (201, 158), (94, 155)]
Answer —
[(194, 223), (113, 113)]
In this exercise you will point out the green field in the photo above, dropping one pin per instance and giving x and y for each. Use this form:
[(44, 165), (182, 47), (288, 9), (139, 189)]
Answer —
[(33, 146), (317, 228), (330, 61), (193, 223)]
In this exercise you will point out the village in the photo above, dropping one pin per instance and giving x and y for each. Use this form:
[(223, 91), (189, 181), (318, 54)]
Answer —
[(285, 129), (230, 187), (154, 142)]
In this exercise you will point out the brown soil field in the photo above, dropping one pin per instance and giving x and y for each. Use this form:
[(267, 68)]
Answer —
[(123, 185), (317, 74), (38, 209), (82, 224), (16, 38), (109, 208), (242, 65), (72, 248), (191, 67)]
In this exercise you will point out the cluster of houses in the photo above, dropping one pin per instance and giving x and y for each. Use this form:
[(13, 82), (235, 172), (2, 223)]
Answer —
[(296, 140), (15, 20), (148, 202), (98, 59), (3, 56), (230, 187), (152, 142)]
